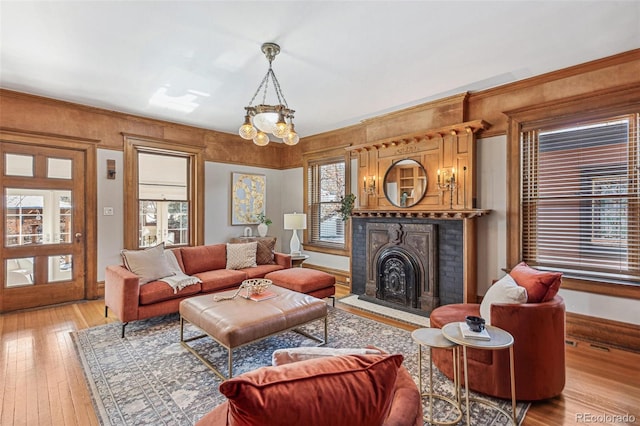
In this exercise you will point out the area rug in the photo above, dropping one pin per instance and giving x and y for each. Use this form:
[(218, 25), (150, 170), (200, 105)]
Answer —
[(148, 378), (384, 311)]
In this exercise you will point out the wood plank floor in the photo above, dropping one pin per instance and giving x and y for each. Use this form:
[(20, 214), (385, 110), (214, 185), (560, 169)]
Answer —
[(42, 382)]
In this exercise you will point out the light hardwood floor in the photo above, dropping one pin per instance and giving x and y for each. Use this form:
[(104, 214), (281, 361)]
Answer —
[(42, 382)]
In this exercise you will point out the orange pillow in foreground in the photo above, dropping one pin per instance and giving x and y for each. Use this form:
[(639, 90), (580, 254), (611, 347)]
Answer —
[(541, 286), (351, 390)]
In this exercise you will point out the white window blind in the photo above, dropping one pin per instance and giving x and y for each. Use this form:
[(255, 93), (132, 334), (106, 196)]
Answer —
[(326, 185), (580, 199)]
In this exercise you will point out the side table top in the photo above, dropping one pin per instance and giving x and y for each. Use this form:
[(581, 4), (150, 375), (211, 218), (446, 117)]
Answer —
[(500, 339), (432, 337)]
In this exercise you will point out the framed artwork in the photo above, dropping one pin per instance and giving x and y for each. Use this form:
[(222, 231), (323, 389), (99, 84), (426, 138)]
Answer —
[(248, 194)]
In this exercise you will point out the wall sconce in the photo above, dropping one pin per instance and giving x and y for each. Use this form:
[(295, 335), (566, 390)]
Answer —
[(369, 185), (448, 183)]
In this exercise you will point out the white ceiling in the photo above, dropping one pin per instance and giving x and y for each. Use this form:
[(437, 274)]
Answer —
[(341, 61)]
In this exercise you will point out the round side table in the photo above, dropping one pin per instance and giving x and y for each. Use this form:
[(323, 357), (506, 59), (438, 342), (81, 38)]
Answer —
[(433, 338), (500, 339)]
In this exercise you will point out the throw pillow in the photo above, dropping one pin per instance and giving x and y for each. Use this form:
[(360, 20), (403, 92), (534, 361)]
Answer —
[(265, 250), (505, 290), (303, 353), (241, 256), (541, 286), (352, 390), (148, 264)]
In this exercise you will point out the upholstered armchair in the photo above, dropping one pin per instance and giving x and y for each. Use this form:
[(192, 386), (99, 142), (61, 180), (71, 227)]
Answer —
[(538, 330)]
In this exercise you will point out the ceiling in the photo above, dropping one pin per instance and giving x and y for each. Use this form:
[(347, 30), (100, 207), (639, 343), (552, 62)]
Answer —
[(199, 62)]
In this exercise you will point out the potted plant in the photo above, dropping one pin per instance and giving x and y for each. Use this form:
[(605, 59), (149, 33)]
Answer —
[(263, 226), (346, 206)]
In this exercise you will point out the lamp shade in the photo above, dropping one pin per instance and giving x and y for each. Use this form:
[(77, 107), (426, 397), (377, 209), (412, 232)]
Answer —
[(295, 221)]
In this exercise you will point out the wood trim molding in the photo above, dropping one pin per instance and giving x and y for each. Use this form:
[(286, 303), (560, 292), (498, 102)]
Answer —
[(603, 332), (428, 214)]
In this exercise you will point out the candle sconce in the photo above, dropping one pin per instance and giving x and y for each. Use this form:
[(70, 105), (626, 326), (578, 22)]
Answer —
[(447, 182), (370, 185)]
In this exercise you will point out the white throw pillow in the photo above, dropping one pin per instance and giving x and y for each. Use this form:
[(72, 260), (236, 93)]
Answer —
[(149, 264), (241, 256), (506, 290)]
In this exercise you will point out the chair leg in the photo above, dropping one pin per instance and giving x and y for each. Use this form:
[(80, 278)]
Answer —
[(124, 324), (106, 311)]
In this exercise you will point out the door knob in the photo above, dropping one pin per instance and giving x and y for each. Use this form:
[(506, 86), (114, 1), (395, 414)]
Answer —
[(78, 236)]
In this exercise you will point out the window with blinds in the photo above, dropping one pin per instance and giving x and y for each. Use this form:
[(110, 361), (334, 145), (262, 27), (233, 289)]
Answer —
[(326, 185), (581, 199)]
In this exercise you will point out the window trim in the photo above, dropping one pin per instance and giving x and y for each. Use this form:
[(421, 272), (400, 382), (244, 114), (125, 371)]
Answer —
[(588, 107), (135, 144), (312, 159)]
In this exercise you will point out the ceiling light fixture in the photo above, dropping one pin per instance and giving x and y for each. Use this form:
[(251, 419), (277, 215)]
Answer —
[(263, 119)]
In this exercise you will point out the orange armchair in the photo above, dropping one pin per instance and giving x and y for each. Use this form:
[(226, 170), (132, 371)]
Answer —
[(538, 330)]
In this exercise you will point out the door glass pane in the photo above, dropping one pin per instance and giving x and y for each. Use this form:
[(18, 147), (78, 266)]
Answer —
[(37, 216), (19, 272), (58, 168), (18, 165), (60, 268)]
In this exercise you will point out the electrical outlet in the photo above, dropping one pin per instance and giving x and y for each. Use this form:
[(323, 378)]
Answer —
[(108, 211)]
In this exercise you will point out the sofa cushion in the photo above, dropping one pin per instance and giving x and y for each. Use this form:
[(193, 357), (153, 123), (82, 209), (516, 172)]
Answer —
[(265, 251), (505, 290), (148, 264), (261, 270), (302, 280), (541, 286), (220, 279), (241, 255), (158, 291), (204, 258), (354, 390), (303, 353)]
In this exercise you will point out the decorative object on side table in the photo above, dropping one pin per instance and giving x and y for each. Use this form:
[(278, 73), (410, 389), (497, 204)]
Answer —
[(263, 226), (475, 323), (295, 221)]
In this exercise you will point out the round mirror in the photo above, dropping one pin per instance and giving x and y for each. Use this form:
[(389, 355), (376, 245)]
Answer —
[(405, 183)]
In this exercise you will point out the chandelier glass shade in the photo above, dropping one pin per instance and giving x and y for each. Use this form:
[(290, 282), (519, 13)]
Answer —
[(264, 119)]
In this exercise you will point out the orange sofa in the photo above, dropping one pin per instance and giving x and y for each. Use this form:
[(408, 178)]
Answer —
[(131, 301), (538, 330)]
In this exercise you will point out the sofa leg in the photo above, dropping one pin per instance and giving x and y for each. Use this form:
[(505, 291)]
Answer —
[(124, 324)]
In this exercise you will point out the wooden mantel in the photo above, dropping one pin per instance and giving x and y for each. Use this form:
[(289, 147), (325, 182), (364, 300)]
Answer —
[(424, 214)]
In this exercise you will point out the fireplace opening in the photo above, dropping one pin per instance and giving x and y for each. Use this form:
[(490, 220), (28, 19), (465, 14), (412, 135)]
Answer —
[(398, 277)]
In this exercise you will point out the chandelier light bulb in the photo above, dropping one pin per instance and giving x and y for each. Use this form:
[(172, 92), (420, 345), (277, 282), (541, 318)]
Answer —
[(281, 128), (261, 139), (247, 131), (291, 138)]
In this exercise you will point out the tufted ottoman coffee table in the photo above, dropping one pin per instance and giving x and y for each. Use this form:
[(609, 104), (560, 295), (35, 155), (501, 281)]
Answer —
[(239, 321), (305, 280)]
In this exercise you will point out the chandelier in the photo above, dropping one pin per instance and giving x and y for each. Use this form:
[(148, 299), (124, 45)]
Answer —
[(262, 119)]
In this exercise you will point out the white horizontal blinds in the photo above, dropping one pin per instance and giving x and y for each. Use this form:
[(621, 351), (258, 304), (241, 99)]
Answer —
[(326, 182), (580, 199)]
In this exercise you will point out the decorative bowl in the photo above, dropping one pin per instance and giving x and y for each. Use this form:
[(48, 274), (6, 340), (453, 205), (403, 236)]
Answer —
[(475, 323), (257, 285)]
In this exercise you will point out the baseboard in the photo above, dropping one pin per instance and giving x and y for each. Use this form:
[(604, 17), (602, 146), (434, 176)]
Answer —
[(603, 332), (343, 278)]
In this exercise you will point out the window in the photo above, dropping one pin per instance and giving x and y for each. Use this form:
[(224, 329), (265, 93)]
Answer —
[(580, 199), (326, 183), (165, 201)]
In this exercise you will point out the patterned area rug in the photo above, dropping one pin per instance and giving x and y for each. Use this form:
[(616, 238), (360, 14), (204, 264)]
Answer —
[(148, 378)]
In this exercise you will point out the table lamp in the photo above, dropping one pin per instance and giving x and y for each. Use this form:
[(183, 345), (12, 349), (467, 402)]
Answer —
[(295, 221)]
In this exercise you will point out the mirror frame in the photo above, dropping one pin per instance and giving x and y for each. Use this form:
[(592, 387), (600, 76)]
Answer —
[(390, 170)]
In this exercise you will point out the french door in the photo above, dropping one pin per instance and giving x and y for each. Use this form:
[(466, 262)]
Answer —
[(43, 250)]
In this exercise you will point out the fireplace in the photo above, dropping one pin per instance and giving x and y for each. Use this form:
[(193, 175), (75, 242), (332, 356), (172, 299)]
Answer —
[(402, 265), (398, 276)]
